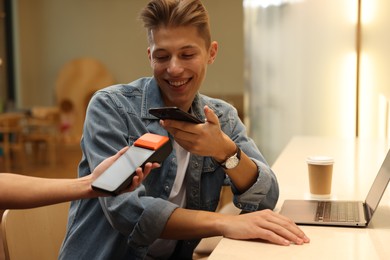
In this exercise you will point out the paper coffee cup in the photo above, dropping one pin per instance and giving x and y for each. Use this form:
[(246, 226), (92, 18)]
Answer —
[(320, 175)]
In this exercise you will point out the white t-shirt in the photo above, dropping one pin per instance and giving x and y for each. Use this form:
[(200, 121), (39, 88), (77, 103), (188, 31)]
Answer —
[(163, 248)]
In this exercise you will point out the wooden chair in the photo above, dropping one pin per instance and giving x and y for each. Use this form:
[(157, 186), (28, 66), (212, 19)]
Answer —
[(41, 133), (11, 139), (34, 234)]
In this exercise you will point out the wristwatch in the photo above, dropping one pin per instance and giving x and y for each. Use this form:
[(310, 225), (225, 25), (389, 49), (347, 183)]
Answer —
[(232, 161)]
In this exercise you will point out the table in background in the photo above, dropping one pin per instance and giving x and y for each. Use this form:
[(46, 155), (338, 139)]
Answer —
[(11, 139), (34, 128), (356, 165)]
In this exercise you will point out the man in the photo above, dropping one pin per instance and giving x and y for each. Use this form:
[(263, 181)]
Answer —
[(173, 209)]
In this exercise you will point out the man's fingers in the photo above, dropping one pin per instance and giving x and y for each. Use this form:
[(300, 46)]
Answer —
[(211, 117), (142, 174), (285, 228)]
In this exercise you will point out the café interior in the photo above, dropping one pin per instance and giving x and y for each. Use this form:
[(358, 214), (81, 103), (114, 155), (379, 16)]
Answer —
[(290, 67)]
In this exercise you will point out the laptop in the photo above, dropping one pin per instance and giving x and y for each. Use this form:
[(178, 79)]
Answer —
[(338, 212)]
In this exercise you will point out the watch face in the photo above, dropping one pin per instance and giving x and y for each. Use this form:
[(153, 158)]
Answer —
[(232, 162)]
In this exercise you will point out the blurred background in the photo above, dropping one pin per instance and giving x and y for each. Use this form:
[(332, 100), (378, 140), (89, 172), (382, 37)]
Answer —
[(291, 67)]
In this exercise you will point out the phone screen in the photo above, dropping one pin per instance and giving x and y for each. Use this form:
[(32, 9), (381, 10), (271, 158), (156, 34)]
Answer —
[(122, 170), (174, 113)]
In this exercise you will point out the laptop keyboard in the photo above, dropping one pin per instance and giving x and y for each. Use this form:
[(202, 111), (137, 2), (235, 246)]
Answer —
[(331, 211)]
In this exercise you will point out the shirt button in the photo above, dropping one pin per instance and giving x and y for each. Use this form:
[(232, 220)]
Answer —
[(196, 165), (166, 188)]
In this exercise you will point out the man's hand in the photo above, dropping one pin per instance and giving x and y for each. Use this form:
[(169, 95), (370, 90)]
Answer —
[(266, 225), (137, 180), (205, 139), (259, 225)]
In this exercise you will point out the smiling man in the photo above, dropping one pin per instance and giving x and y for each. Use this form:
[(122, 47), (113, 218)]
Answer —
[(179, 58), (166, 217)]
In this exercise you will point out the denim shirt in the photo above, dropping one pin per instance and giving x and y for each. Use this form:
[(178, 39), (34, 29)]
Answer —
[(122, 227)]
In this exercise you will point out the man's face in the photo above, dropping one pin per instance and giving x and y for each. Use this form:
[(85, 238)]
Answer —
[(179, 60)]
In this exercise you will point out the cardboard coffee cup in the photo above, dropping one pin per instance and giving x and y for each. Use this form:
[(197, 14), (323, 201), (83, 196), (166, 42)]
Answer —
[(320, 175)]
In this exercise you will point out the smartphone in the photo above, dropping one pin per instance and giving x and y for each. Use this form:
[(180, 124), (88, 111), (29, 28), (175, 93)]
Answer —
[(148, 148), (174, 113), (120, 174)]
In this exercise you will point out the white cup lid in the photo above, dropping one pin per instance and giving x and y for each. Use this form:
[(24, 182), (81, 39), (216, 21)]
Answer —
[(320, 160)]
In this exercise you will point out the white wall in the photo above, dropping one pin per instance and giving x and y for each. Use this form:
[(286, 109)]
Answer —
[(375, 64), (301, 67), (301, 71)]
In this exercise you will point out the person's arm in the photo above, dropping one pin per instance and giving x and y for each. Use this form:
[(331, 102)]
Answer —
[(208, 140), (20, 191), (267, 225)]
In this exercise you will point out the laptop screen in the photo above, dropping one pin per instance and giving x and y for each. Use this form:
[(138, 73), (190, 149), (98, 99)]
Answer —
[(379, 186)]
